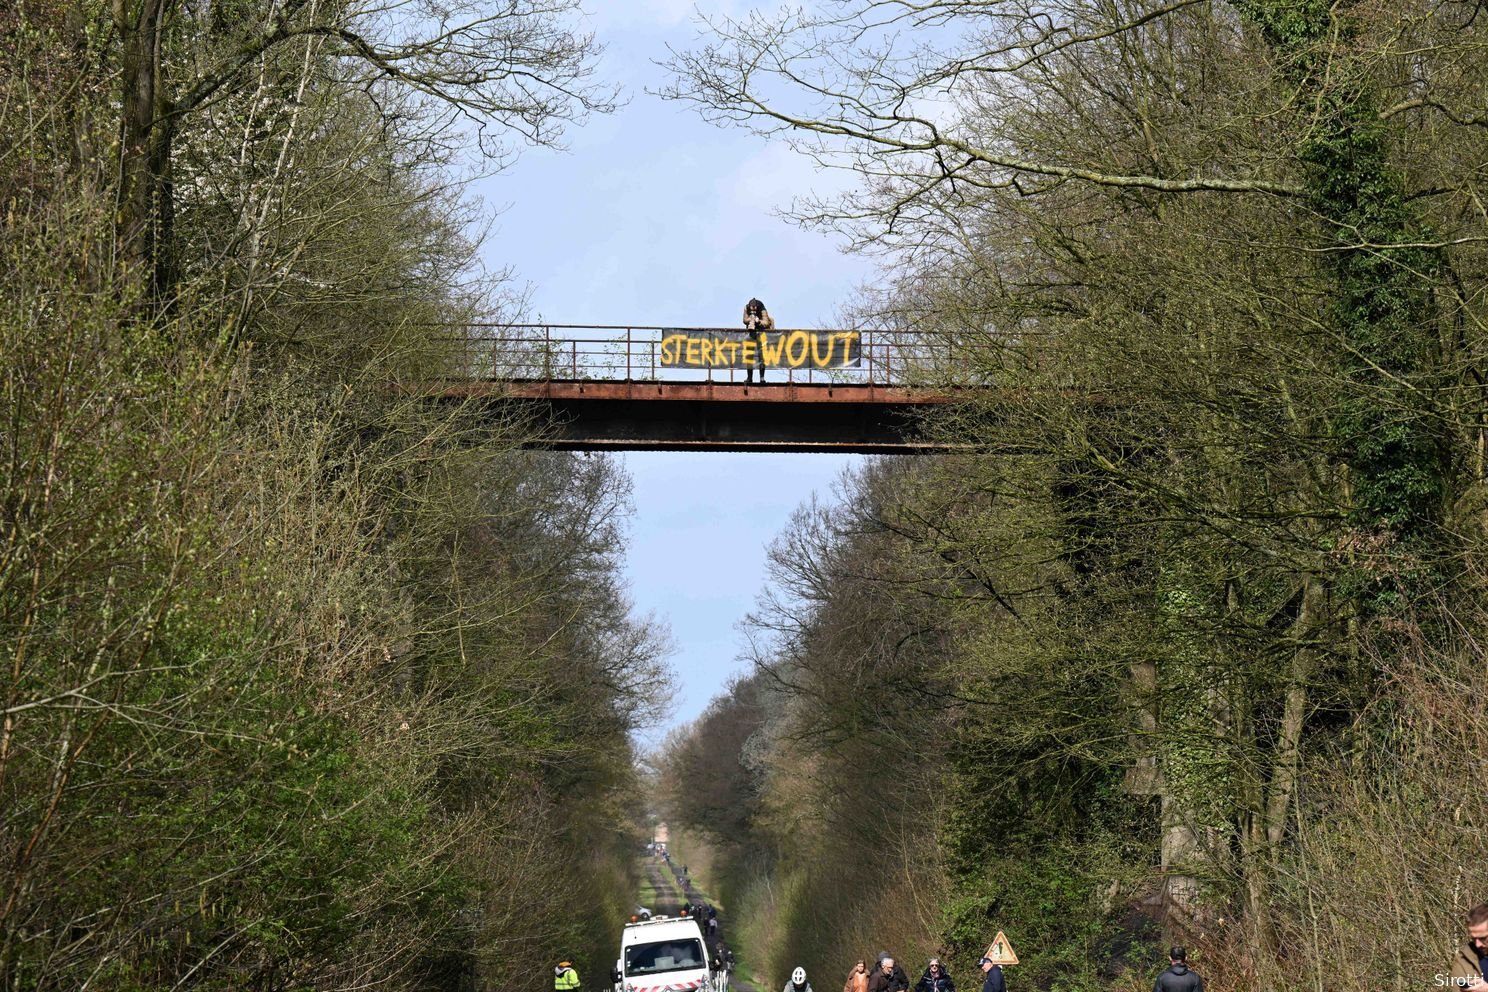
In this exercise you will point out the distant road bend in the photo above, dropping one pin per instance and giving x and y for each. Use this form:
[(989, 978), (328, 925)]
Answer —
[(618, 387)]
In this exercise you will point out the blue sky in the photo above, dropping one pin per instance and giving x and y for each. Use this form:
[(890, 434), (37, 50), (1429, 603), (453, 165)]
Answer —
[(654, 217)]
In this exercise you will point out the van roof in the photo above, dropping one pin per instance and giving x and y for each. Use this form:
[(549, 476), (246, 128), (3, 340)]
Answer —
[(660, 928)]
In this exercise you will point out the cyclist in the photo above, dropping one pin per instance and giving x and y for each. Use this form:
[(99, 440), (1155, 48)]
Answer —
[(797, 981)]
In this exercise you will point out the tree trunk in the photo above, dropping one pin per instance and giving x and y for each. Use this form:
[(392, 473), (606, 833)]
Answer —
[(1287, 764), (142, 220)]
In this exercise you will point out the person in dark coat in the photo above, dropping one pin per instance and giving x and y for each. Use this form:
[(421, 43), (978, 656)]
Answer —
[(935, 978), (888, 977), (1178, 978), (994, 981), (757, 322)]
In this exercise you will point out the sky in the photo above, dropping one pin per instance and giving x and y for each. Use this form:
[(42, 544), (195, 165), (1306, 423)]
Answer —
[(654, 217)]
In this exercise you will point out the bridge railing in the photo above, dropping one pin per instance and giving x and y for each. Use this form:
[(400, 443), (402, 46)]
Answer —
[(619, 353)]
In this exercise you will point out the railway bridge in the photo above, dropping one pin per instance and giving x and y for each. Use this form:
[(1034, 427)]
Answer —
[(626, 388)]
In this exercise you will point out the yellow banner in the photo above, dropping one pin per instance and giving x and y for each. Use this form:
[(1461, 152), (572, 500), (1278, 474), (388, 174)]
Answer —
[(771, 349)]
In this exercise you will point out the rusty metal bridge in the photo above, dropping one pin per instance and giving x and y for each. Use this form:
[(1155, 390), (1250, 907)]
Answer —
[(605, 387)]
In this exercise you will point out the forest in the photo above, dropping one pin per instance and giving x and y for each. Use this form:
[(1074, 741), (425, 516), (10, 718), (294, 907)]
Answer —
[(308, 683), (1186, 646), (311, 683)]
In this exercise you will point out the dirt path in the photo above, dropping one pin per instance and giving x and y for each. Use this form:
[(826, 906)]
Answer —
[(668, 899), (672, 893), (738, 982)]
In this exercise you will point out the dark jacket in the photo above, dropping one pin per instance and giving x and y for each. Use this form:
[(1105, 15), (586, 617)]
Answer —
[(1178, 979), (897, 982), (761, 321), (940, 983), (994, 982)]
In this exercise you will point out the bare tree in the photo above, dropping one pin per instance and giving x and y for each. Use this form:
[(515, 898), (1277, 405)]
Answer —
[(512, 69)]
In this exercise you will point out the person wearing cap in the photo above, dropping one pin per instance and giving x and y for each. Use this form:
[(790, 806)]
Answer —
[(993, 982), (565, 978), (1177, 977)]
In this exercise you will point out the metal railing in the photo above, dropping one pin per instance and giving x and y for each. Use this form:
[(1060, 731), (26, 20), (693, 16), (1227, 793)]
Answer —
[(620, 353)]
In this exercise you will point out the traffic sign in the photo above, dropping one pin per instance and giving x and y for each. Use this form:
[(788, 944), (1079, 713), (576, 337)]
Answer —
[(1001, 952)]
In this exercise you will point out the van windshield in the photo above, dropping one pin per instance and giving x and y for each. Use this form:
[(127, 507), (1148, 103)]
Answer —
[(666, 955)]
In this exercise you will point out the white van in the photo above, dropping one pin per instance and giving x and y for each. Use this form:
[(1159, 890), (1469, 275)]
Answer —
[(662, 953)]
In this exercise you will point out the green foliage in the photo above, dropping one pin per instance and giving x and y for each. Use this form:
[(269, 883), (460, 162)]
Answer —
[(1216, 275), (306, 685)]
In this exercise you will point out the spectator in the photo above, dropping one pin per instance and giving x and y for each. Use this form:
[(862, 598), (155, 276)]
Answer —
[(1470, 964), (857, 979), (994, 981), (888, 977), (757, 321), (1177, 978), (935, 978)]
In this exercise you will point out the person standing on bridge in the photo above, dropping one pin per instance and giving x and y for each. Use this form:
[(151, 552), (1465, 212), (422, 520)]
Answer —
[(757, 321), (565, 978)]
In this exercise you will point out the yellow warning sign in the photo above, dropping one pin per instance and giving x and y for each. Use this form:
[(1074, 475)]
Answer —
[(1001, 952)]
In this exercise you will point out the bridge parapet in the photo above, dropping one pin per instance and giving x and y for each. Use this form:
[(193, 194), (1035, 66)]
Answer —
[(636, 353)]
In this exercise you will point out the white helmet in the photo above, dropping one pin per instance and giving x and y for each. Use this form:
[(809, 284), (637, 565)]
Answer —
[(798, 977)]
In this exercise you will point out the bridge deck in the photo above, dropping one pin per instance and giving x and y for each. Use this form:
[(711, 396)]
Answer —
[(602, 388), (702, 416), (716, 392)]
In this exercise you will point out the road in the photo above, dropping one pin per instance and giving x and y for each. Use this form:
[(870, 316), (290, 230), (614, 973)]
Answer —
[(670, 901)]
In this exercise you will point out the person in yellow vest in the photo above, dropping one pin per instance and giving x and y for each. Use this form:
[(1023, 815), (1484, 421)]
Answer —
[(565, 978)]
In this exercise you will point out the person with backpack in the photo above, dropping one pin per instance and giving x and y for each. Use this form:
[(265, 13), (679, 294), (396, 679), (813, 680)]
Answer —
[(757, 321)]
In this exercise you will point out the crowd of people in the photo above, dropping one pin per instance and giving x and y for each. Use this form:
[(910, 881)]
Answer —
[(887, 975), (1468, 969)]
